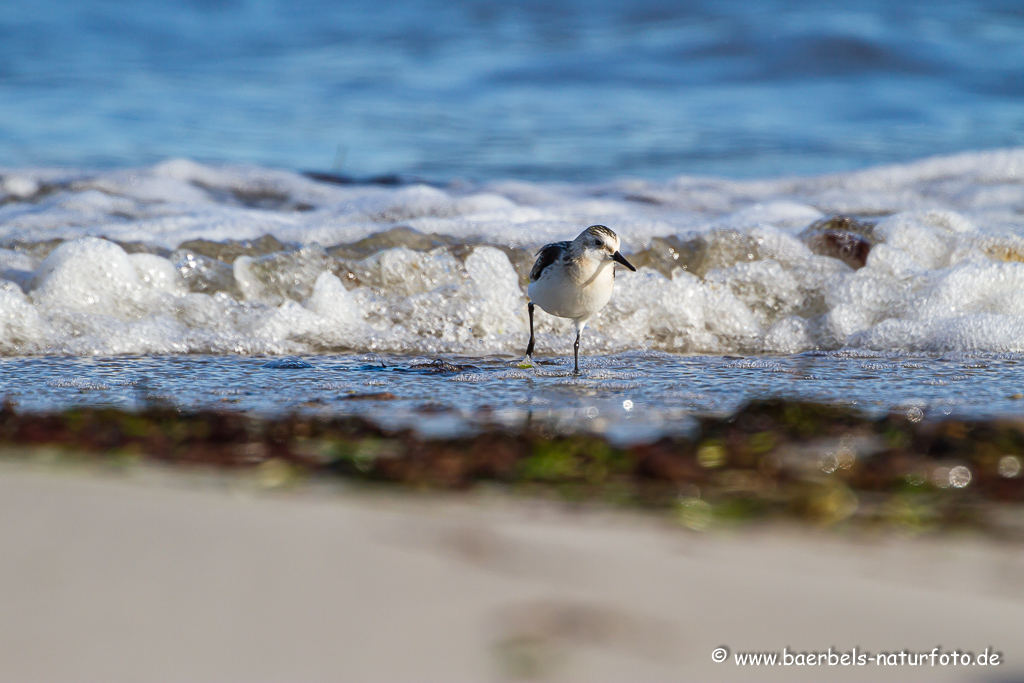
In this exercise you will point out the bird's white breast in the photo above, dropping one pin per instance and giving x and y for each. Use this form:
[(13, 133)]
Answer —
[(576, 290)]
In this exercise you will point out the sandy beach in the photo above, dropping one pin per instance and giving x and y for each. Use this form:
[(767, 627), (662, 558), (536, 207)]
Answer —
[(162, 576)]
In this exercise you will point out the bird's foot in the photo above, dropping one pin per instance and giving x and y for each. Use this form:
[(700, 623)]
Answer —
[(526, 362)]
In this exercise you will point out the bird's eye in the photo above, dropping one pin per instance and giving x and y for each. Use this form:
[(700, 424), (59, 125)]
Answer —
[(599, 244)]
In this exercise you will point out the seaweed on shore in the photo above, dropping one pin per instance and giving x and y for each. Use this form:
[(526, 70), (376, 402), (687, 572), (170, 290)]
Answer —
[(774, 459)]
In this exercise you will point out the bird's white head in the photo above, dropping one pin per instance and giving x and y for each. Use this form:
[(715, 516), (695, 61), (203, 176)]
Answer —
[(600, 244)]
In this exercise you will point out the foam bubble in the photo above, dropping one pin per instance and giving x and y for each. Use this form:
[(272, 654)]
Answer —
[(88, 275), (19, 187), (497, 302), (407, 272), (789, 335), (945, 271), (23, 330), (158, 275)]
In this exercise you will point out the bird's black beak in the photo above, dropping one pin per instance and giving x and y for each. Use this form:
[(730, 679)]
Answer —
[(619, 258)]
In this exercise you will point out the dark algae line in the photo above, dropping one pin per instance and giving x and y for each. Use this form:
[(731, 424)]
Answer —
[(774, 459)]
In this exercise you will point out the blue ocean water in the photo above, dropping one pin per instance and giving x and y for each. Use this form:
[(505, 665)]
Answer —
[(530, 89)]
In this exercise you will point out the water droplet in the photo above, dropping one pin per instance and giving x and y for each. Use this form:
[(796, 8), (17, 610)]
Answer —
[(845, 457), (940, 477), (1009, 466), (959, 476), (917, 477), (627, 404)]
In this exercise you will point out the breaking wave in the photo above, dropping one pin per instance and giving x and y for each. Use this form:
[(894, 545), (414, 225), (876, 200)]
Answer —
[(188, 258)]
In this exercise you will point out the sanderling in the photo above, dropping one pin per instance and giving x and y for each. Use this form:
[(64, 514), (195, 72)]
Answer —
[(574, 279)]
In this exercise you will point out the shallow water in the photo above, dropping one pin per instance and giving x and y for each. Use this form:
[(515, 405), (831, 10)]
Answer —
[(628, 396)]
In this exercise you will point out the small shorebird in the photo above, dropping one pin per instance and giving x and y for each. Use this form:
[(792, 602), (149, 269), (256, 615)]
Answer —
[(574, 279)]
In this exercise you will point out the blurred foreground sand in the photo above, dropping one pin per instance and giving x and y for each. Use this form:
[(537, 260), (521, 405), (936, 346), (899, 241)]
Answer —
[(158, 576)]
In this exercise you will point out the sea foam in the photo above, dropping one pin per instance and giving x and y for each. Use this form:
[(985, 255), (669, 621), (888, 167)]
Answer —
[(182, 257)]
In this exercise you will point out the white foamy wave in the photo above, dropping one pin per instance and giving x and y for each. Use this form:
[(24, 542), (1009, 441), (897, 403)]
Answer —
[(107, 262)]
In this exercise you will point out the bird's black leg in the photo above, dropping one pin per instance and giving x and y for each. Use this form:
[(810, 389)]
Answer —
[(529, 347), (576, 353)]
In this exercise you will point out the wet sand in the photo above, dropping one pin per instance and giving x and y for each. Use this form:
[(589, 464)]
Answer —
[(154, 575)]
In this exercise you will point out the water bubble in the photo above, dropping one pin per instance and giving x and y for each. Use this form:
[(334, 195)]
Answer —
[(828, 463), (917, 477), (627, 405), (688, 491), (915, 414), (959, 476), (845, 457), (1009, 466), (591, 412), (940, 477)]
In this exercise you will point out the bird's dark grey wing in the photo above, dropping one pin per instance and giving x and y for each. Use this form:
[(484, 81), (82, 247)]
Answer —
[(547, 255)]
